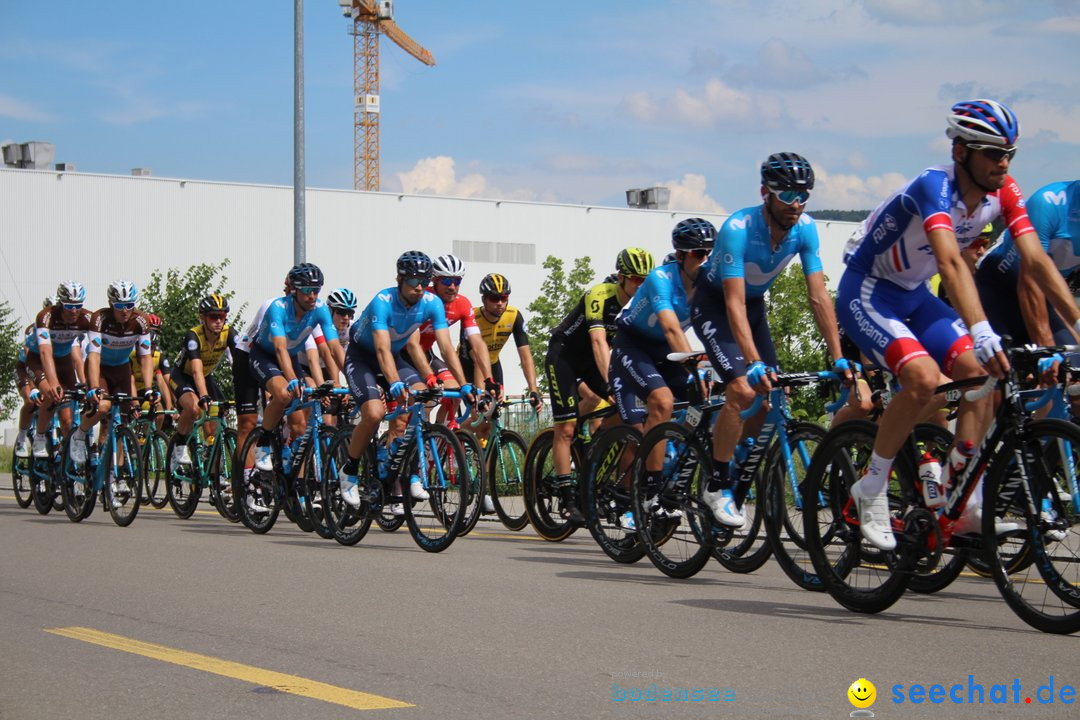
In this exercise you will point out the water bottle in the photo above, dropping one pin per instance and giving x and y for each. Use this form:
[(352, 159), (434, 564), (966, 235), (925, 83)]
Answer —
[(669, 458), (286, 455), (742, 451), (382, 455), (930, 478)]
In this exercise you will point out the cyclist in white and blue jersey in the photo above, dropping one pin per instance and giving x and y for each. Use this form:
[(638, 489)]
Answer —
[(1015, 304), (374, 362), (652, 325), (887, 309), (284, 328), (754, 246)]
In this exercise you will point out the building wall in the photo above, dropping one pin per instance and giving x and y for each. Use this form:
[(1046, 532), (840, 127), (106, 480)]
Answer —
[(97, 228)]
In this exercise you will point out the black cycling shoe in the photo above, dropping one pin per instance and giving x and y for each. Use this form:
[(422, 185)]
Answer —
[(570, 510)]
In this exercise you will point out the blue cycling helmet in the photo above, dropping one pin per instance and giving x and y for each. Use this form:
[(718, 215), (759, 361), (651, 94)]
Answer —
[(414, 263), (341, 299), (693, 234), (787, 171), (983, 121)]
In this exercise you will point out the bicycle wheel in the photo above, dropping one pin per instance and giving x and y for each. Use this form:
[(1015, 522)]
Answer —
[(746, 550), (20, 481), (155, 468), (42, 491), (856, 574), (785, 487), (385, 517), (474, 456), (506, 473), (311, 477), (255, 491), (541, 494), (611, 468), (1045, 593), (434, 522), (77, 485), (678, 535), (221, 472), (347, 524), (182, 482), (123, 477)]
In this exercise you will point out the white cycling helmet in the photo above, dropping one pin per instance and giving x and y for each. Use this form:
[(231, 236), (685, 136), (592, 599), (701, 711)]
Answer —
[(123, 291), (448, 266)]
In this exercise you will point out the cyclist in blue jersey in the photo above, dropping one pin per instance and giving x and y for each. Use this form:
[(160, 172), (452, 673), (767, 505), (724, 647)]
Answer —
[(652, 325), (285, 326), (374, 362), (887, 309), (1015, 303), (753, 247)]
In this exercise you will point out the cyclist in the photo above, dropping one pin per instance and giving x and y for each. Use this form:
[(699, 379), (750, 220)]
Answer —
[(497, 322), (342, 304), (161, 368), (387, 326), (30, 397), (887, 309), (651, 326), (204, 347), (53, 360), (284, 328), (754, 246), (114, 331), (578, 357)]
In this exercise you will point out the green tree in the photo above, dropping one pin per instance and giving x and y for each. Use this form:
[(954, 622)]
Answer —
[(11, 335), (799, 345), (558, 295)]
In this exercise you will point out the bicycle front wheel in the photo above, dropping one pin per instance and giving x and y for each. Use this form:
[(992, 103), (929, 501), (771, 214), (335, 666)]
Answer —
[(611, 468), (474, 456), (506, 478), (541, 492), (348, 524), (182, 488), (311, 479), (76, 485), (20, 481), (255, 491), (123, 477), (1027, 481), (444, 473), (155, 468), (221, 470)]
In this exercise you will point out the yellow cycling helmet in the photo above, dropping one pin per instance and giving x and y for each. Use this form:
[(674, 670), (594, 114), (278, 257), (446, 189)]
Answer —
[(634, 261)]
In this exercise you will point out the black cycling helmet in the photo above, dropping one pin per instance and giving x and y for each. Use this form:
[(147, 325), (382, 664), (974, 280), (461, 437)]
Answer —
[(305, 275), (693, 234), (414, 264), (214, 302), (494, 284), (787, 171)]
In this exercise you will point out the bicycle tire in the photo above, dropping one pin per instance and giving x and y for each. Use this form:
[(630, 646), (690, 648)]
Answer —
[(434, 523), (123, 477), (183, 486), (611, 466), (222, 467), (541, 500), (77, 506), (858, 576), (20, 482), (42, 492), (678, 547), (474, 455), (385, 517), (260, 485), (311, 476), (348, 525), (156, 468), (506, 479), (1046, 592)]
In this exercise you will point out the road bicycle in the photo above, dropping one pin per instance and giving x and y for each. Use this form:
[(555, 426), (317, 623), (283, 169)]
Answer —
[(211, 451), (155, 444)]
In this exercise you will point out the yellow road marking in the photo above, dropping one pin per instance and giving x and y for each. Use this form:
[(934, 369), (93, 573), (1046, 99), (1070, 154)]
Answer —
[(291, 684)]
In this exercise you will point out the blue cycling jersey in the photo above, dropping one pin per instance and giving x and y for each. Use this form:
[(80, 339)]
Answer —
[(744, 250), (662, 290), (1054, 211), (387, 312), (280, 321)]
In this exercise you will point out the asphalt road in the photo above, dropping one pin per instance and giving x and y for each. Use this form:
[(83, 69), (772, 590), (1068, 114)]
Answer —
[(201, 619)]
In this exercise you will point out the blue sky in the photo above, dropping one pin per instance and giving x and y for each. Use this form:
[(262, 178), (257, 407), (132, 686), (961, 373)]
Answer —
[(564, 102)]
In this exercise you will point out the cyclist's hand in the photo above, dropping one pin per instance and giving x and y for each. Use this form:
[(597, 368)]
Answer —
[(294, 388), (35, 396), (536, 400), (204, 402), (432, 381), (988, 349), (843, 368), (758, 375), (56, 394), (397, 390), (492, 388), (468, 392), (92, 396), (1048, 369)]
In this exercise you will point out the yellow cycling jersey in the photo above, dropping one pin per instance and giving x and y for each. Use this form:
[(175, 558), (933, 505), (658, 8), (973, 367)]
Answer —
[(160, 363), (197, 347), (495, 334)]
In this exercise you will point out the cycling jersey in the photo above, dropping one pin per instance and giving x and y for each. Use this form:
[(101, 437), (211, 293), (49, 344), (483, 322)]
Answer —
[(458, 309), (495, 334), (50, 329), (280, 321), (197, 347), (160, 363), (387, 312), (1054, 211), (114, 341), (246, 338), (744, 250), (662, 290), (895, 245), (596, 310)]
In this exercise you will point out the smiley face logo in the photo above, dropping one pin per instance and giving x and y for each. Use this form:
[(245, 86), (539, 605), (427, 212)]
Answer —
[(862, 693)]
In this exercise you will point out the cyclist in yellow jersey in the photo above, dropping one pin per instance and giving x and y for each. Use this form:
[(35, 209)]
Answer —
[(204, 348), (161, 370)]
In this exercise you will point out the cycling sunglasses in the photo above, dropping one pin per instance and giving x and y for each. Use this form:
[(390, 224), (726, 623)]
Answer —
[(450, 281), (790, 197), (309, 289), (73, 306), (415, 281), (994, 153), (346, 313), (217, 317), (497, 298), (123, 306)]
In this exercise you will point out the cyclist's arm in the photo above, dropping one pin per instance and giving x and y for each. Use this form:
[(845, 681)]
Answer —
[(314, 368), (415, 352), (1045, 273), (478, 351), (1032, 304), (735, 302), (281, 353), (385, 356), (77, 358), (198, 376), (337, 354), (821, 304), (601, 351), (446, 349), (673, 332), (93, 370)]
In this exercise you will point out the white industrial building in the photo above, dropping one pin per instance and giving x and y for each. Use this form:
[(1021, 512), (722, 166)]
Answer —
[(57, 225)]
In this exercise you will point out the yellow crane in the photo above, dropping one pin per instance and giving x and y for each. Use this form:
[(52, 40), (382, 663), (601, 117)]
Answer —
[(370, 18)]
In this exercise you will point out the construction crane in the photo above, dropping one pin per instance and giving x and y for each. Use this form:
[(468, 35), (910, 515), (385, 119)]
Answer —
[(369, 19)]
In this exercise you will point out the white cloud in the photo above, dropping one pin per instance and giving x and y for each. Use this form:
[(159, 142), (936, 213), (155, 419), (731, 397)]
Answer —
[(19, 110), (438, 176), (689, 195), (716, 105), (779, 65), (905, 12), (852, 192)]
